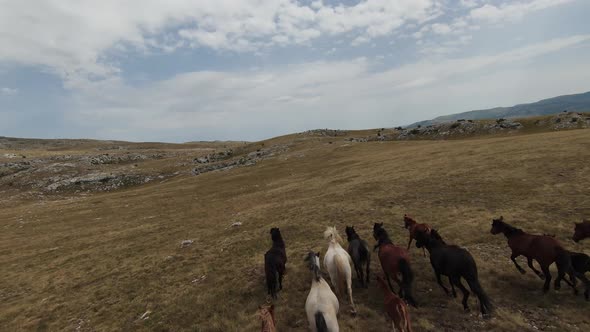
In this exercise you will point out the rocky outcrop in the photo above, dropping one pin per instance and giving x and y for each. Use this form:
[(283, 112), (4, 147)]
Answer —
[(95, 182), (12, 168), (214, 157), (208, 164), (324, 132), (565, 120)]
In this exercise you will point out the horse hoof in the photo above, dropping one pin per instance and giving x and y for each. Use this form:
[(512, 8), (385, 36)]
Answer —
[(466, 309), (522, 271), (353, 313)]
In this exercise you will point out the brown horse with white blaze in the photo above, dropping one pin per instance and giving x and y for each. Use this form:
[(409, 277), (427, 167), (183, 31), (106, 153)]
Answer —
[(545, 249)]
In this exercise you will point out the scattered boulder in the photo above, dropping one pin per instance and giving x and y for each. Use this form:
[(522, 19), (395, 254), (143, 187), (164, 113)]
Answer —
[(186, 243)]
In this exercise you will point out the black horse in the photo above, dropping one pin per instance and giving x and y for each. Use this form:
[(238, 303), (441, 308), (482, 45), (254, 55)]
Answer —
[(358, 249), (456, 263), (274, 263), (581, 265)]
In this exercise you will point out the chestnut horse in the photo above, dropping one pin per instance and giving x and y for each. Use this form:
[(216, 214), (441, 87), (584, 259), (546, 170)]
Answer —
[(413, 227), (545, 249), (394, 260), (396, 308), (266, 314), (581, 231)]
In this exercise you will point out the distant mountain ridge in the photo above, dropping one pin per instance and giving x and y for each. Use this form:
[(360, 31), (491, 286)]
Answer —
[(574, 103)]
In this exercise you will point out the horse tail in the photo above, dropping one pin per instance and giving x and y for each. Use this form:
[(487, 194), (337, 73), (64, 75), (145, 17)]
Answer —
[(407, 280), (484, 300), (320, 322), (272, 276)]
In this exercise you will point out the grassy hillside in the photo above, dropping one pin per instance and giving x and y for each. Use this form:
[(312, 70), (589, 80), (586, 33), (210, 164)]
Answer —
[(572, 103), (112, 261)]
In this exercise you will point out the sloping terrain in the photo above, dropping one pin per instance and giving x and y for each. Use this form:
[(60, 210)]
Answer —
[(573, 103), (114, 260)]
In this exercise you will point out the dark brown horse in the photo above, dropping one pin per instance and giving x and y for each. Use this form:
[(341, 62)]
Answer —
[(414, 227), (456, 263), (394, 260), (581, 231), (274, 263), (581, 264), (545, 249)]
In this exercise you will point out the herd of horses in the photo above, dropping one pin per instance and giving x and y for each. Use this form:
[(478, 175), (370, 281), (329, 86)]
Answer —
[(455, 263)]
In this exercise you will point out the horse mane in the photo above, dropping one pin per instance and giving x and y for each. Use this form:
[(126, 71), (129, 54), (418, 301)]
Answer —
[(382, 237), (409, 219), (435, 235), (351, 234), (313, 267), (509, 229), (277, 238), (331, 234)]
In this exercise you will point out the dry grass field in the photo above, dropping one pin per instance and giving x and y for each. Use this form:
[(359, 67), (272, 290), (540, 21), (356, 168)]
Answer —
[(112, 261)]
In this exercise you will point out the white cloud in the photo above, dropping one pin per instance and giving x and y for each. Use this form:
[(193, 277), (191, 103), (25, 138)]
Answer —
[(441, 29), (468, 3), (512, 10), (8, 92), (268, 102), (74, 38)]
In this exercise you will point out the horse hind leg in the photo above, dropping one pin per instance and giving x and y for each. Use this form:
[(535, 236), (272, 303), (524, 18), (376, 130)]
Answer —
[(440, 282), (368, 269), (349, 288), (586, 282), (459, 284), (389, 282), (361, 275), (399, 283), (452, 288), (537, 272), (547, 274)]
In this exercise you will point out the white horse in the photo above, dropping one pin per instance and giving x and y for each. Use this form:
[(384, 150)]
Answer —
[(337, 261), (321, 305)]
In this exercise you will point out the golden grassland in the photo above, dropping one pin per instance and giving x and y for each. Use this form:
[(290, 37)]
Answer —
[(99, 262)]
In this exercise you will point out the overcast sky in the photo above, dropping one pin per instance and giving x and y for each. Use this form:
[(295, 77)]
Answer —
[(184, 70)]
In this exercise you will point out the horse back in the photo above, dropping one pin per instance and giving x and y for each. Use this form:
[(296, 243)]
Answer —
[(276, 256), (520, 244), (390, 255), (544, 249)]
